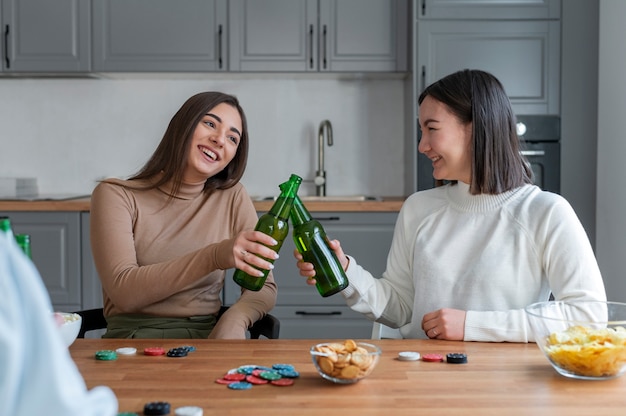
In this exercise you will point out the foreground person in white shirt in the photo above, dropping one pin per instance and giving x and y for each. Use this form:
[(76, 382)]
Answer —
[(38, 376), (468, 256)]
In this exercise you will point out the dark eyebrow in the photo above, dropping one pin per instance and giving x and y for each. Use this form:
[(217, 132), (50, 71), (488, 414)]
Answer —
[(233, 129)]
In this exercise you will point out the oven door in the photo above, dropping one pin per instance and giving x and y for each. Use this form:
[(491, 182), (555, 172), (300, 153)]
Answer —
[(545, 161)]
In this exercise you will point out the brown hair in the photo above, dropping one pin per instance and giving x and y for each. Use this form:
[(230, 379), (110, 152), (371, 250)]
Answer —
[(478, 97), (170, 157)]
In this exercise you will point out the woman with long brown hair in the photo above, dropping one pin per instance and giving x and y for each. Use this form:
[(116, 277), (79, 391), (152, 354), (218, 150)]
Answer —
[(163, 239)]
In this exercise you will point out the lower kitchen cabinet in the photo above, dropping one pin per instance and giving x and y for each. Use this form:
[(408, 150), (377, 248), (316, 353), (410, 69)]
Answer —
[(56, 250), (62, 254), (303, 313)]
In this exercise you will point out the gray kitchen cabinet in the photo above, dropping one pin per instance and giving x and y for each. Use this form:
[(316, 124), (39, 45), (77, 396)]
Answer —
[(318, 35), (46, 36), (159, 35), (524, 55), (303, 313), (91, 287), (492, 9), (56, 251)]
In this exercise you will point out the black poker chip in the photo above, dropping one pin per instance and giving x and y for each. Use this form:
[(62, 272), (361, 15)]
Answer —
[(456, 358), (156, 408), (178, 352)]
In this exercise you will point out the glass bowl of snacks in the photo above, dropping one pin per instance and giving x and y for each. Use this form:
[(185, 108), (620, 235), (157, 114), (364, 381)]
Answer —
[(345, 362), (69, 326), (581, 339)]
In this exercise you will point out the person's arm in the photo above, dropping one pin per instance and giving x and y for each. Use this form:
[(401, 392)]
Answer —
[(571, 269), (38, 375)]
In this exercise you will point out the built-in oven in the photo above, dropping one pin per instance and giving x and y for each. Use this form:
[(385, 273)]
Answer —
[(540, 143)]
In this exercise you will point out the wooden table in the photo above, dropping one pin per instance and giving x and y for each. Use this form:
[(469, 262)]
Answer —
[(499, 378)]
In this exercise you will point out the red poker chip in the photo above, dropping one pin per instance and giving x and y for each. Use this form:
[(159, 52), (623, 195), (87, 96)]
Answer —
[(154, 351), (432, 358), (256, 380), (224, 381), (234, 376), (282, 382)]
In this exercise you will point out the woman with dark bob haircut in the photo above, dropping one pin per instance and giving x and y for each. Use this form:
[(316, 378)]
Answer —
[(163, 239), (468, 256)]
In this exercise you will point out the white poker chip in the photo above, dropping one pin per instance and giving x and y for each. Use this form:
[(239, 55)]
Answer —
[(126, 351), (188, 411), (409, 356)]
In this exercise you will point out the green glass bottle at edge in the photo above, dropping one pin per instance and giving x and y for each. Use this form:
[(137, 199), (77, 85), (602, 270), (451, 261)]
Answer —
[(274, 223), (312, 242)]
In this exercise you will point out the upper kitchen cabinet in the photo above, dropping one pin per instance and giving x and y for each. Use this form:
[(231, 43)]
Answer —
[(318, 35), (492, 9), (45, 36), (523, 55), (159, 35)]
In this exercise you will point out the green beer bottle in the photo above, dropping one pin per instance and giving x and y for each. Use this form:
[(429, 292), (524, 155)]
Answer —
[(23, 240), (312, 242), (274, 223), (5, 227)]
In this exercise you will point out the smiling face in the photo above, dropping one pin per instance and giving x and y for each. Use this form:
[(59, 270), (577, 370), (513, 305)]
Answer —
[(214, 143), (446, 141)]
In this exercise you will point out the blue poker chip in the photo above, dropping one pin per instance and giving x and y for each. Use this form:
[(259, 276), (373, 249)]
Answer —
[(128, 414), (283, 367), (240, 385), (288, 373), (189, 348)]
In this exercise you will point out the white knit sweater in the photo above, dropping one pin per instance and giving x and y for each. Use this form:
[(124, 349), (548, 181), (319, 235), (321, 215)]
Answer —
[(490, 255)]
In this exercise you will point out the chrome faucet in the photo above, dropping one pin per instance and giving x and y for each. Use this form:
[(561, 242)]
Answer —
[(320, 175)]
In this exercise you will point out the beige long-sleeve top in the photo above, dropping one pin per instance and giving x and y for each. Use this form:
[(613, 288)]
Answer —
[(169, 259)]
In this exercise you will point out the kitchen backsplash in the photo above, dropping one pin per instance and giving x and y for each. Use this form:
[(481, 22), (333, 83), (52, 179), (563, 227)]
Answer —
[(68, 133)]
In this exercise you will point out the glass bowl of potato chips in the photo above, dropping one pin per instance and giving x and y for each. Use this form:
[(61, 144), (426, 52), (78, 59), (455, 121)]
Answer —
[(581, 339), (345, 362)]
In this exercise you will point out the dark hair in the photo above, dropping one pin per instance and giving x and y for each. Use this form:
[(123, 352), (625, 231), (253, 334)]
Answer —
[(478, 97), (170, 157)]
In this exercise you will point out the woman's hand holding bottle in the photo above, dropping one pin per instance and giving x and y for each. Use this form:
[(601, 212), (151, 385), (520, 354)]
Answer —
[(307, 269), (250, 250)]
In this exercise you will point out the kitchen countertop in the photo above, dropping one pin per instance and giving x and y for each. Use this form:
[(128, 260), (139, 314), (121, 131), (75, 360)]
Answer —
[(390, 204)]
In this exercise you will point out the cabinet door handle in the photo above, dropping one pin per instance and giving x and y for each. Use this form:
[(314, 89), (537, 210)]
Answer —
[(6, 46), (305, 313), (326, 218), (324, 45), (311, 62), (219, 46), (533, 152)]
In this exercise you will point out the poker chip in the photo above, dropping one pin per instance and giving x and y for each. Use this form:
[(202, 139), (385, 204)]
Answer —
[(288, 373), (432, 358), (128, 414), (106, 355), (409, 356), (234, 376), (177, 352), (154, 351), (188, 411), (240, 385), (126, 351), (189, 348), (156, 408), (283, 367), (224, 381), (252, 379), (282, 382), (456, 358), (270, 375)]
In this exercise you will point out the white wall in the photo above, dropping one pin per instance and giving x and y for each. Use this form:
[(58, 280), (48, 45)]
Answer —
[(611, 194), (70, 132)]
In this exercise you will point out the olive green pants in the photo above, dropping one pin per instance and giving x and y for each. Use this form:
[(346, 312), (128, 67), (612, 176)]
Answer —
[(154, 327)]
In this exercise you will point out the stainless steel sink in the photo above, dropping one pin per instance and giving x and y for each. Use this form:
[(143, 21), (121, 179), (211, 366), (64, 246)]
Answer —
[(327, 198)]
